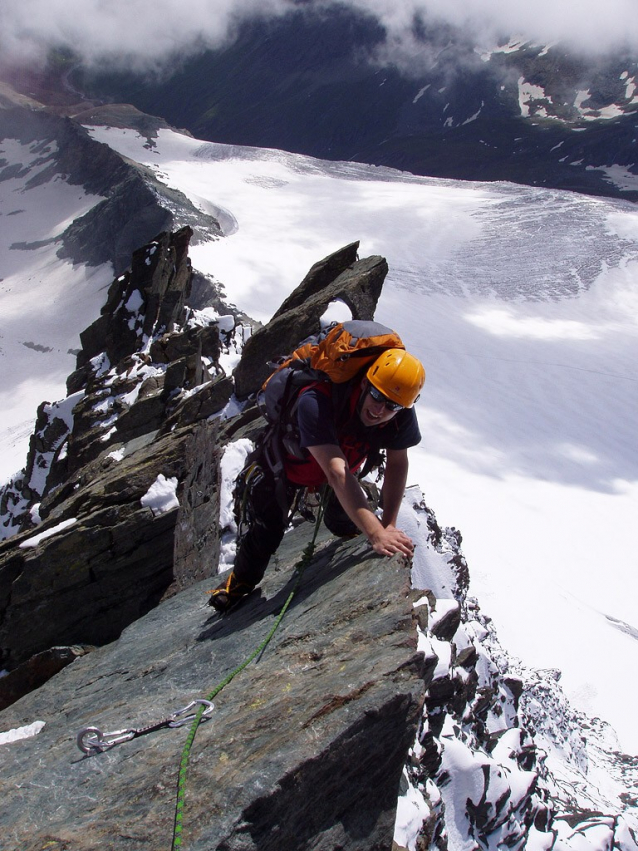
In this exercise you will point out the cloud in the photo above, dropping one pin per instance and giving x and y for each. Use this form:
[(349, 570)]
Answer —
[(589, 24), (148, 34), (140, 34)]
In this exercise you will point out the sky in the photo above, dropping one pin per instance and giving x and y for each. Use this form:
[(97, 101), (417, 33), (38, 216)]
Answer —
[(521, 303), (147, 35)]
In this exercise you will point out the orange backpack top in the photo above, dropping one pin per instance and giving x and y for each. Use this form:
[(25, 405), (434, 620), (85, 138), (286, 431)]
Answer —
[(339, 353)]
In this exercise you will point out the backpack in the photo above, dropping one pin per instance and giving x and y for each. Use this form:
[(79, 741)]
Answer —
[(338, 354)]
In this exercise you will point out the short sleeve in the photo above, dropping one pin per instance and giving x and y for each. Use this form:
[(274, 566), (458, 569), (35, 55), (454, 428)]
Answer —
[(315, 418), (406, 432)]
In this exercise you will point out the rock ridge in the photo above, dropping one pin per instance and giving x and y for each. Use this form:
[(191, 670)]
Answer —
[(144, 412), (136, 204)]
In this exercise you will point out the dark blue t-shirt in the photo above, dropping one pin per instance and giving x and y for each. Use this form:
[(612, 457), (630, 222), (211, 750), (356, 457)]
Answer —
[(327, 414), (317, 420)]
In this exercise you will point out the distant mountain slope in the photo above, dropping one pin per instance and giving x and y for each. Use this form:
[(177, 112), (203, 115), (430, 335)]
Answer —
[(305, 83), (71, 212)]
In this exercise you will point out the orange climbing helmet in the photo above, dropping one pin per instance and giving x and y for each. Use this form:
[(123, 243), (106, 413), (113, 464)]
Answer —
[(398, 375)]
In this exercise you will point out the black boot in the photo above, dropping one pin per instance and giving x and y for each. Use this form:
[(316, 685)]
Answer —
[(229, 593)]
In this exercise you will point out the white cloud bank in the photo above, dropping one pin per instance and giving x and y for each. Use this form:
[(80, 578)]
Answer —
[(150, 34), (141, 33)]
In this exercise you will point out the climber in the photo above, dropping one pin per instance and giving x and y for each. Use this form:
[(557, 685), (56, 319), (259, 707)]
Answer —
[(339, 427)]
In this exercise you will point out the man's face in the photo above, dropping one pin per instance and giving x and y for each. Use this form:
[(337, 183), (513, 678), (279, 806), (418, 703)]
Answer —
[(371, 411)]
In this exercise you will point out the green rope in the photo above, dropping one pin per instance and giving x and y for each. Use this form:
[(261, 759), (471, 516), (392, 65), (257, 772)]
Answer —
[(301, 565)]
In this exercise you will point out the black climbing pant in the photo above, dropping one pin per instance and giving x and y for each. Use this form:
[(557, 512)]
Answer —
[(267, 524)]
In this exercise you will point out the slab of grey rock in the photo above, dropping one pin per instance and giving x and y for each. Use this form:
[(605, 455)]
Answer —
[(115, 563), (306, 745)]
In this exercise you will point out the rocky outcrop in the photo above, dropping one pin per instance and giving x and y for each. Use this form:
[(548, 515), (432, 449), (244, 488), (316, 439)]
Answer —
[(341, 276), (94, 552), (321, 275), (500, 758), (136, 208), (305, 747), (114, 561), (136, 204), (134, 423), (137, 368)]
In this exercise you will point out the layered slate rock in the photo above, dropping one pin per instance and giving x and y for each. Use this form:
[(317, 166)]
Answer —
[(115, 559), (305, 747), (94, 554)]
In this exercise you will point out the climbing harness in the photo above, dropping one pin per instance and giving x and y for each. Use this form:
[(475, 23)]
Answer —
[(248, 478), (92, 740), (301, 565)]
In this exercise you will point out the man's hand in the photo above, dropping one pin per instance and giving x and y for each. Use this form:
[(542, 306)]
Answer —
[(389, 540), (385, 538)]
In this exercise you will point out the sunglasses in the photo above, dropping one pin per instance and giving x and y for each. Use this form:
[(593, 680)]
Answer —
[(379, 397)]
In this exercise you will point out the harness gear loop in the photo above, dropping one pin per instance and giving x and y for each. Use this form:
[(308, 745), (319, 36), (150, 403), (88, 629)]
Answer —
[(301, 565)]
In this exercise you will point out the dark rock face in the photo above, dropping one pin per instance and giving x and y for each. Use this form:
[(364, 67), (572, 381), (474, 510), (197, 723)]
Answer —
[(129, 217), (145, 300), (131, 204), (305, 747), (135, 417), (112, 565), (358, 283), (36, 671)]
